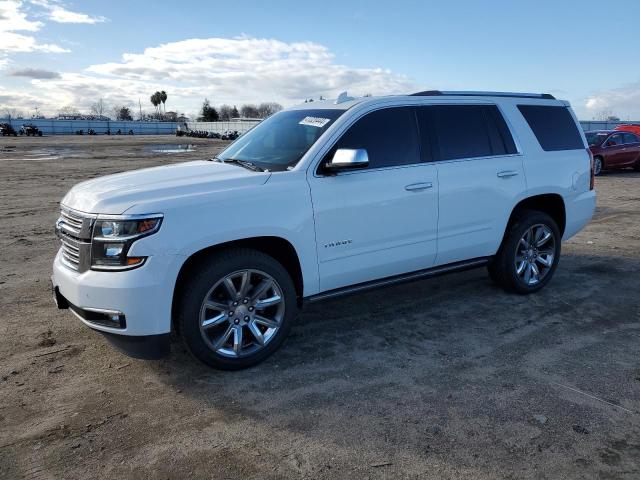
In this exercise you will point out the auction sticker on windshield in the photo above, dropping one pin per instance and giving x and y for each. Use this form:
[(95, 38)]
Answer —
[(314, 121)]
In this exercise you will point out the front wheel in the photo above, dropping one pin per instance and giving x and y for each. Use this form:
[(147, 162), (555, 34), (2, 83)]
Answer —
[(237, 309), (597, 165), (529, 254)]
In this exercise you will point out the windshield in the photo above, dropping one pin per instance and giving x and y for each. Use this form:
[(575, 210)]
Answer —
[(596, 138), (280, 141)]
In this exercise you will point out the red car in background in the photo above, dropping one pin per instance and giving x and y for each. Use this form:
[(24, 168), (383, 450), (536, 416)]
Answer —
[(614, 149)]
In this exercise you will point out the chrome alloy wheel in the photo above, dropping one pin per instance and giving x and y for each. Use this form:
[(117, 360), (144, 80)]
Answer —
[(597, 166), (535, 254), (241, 313)]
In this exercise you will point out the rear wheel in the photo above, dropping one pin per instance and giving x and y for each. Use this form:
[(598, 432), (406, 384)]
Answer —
[(237, 309), (529, 254)]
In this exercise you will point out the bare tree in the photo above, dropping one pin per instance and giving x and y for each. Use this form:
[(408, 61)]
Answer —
[(10, 113), (249, 111), (225, 112), (268, 108), (607, 116), (99, 108), (69, 111)]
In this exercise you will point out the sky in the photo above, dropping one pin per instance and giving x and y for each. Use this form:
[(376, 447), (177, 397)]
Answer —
[(59, 53)]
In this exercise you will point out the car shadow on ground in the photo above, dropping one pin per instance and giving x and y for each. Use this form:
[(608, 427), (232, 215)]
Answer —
[(447, 366), (431, 324)]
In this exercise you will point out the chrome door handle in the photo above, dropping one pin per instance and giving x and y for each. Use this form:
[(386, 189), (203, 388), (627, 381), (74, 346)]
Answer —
[(416, 187), (507, 174)]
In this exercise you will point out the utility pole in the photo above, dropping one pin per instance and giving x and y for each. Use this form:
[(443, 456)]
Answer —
[(140, 106)]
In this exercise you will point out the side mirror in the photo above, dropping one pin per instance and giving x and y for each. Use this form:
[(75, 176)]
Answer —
[(348, 158)]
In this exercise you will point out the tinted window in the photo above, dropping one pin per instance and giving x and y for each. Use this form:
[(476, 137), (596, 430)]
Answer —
[(502, 140), (630, 138), (554, 127), (615, 140), (595, 138), (464, 131), (389, 136)]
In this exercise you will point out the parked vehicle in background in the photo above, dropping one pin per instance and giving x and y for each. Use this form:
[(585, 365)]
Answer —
[(629, 127), (7, 130), (320, 201), (614, 149), (230, 135), (30, 131)]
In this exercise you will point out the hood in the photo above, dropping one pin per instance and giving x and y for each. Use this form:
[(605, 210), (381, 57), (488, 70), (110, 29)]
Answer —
[(114, 194)]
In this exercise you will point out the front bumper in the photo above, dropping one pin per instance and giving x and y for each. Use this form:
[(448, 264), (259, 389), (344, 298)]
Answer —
[(146, 347), (142, 296)]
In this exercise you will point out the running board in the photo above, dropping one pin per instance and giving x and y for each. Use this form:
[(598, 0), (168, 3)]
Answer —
[(407, 277)]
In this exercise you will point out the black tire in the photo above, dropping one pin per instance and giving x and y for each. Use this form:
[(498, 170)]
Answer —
[(502, 268), (636, 166), (198, 284)]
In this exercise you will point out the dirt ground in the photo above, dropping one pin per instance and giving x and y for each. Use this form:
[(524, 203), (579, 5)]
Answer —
[(446, 378)]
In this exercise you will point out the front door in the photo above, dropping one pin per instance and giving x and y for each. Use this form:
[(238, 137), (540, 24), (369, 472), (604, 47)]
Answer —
[(615, 151), (381, 220)]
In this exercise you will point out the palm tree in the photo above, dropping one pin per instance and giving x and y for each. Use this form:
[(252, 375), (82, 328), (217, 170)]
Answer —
[(154, 100), (163, 99)]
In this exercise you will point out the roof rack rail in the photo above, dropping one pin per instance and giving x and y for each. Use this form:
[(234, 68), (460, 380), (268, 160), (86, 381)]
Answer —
[(435, 93)]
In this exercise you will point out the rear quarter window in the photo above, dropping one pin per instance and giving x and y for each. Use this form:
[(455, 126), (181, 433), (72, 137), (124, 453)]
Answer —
[(553, 126), (464, 131)]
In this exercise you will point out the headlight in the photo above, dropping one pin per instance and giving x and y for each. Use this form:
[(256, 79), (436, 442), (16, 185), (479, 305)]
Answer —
[(112, 239)]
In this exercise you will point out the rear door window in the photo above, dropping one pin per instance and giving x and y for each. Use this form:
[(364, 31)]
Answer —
[(630, 138), (389, 136), (553, 126), (453, 132)]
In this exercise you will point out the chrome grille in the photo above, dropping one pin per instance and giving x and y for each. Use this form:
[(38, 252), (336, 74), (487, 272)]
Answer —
[(70, 252), (71, 222), (74, 230)]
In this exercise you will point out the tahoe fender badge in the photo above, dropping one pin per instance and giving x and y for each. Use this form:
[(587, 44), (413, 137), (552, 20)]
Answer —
[(337, 243)]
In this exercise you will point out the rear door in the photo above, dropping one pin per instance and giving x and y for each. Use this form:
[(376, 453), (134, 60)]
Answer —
[(381, 220), (480, 176)]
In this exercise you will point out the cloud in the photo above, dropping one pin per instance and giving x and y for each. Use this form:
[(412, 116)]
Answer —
[(250, 69), (623, 102), (12, 20), (58, 13), (34, 73), (225, 70)]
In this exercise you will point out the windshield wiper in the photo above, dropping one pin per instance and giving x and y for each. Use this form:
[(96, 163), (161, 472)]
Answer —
[(243, 163)]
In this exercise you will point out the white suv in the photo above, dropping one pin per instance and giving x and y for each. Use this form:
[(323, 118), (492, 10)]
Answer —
[(317, 201)]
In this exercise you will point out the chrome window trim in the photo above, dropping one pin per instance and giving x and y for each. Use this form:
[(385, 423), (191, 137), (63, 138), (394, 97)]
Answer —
[(324, 151)]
